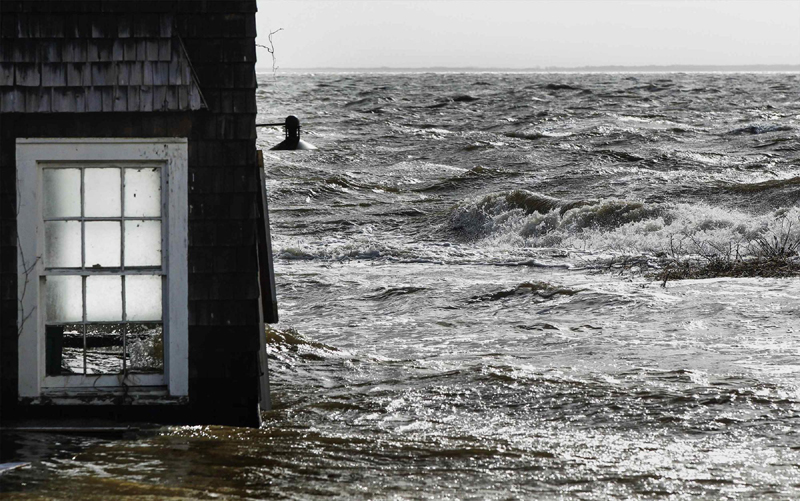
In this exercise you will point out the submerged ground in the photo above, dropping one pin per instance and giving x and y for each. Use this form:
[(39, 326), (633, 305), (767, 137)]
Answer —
[(469, 310)]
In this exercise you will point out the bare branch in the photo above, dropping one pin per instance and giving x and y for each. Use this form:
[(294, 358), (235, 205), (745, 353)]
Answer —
[(271, 50), (27, 271)]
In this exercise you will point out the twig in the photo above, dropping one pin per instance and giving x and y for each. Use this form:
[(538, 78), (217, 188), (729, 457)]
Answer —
[(26, 270), (271, 50)]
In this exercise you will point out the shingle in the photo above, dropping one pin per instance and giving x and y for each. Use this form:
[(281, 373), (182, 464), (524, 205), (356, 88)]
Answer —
[(141, 50), (25, 51), (159, 98), (146, 26), (165, 25), (81, 51), (94, 99), (146, 98), (120, 99), (171, 98), (250, 27), (8, 25), (147, 73), (6, 74), (241, 101), (99, 74), (186, 77), (103, 26), (152, 50), (199, 285), (129, 49), (183, 97), (118, 50), (54, 75), (124, 26), (108, 98), (160, 73), (63, 100), (81, 28), (123, 74), (79, 74), (19, 100), (135, 73), (80, 99), (175, 77), (225, 101), (37, 100), (133, 98), (52, 26), (51, 51), (27, 26), (68, 51), (165, 50), (195, 101), (7, 100), (27, 75), (105, 50), (245, 76), (92, 51)]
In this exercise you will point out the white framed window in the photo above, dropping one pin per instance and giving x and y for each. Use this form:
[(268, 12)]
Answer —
[(102, 268)]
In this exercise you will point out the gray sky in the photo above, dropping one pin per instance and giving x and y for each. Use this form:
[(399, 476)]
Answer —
[(528, 33)]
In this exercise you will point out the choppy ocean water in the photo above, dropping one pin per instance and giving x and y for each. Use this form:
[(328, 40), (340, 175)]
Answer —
[(455, 322)]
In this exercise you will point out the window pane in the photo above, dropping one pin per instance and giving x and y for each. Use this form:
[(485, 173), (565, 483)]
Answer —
[(62, 244), (143, 297), (142, 243), (143, 192), (63, 349), (102, 244), (63, 298), (101, 191), (62, 192), (146, 348), (103, 298), (104, 349)]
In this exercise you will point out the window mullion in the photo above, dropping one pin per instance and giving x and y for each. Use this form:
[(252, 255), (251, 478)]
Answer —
[(122, 224), (83, 226), (122, 270), (83, 316), (83, 267)]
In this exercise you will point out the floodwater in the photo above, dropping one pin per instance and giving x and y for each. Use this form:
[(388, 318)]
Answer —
[(457, 321)]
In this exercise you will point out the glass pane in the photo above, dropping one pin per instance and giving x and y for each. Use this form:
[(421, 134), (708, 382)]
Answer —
[(61, 192), (104, 349), (102, 244), (102, 192), (62, 244), (142, 243), (63, 298), (146, 348), (64, 349), (143, 192), (143, 297), (103, 298)]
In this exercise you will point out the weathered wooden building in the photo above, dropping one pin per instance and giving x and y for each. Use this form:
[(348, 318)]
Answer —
[(136, 268)]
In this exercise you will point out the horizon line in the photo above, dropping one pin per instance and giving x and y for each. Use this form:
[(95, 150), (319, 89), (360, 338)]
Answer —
[(609, 67)]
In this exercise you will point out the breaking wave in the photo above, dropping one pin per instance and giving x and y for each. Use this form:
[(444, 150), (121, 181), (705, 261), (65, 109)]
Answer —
[(525, 219)]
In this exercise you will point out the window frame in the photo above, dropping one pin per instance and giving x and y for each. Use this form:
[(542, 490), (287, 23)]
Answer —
[(33, 155)]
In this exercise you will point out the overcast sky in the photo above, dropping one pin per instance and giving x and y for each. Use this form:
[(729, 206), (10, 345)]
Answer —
[(528, 33)]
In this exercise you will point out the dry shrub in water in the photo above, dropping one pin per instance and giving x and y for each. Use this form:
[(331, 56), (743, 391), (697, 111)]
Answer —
[(771, 254)]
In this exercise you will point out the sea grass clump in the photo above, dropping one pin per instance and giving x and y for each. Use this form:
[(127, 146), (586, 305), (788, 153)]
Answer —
[(772, 254)]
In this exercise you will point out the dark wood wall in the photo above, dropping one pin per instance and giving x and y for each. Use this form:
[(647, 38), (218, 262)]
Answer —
[(224, 324)]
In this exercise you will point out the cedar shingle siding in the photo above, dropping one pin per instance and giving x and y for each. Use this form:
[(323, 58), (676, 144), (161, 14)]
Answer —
[(100, 62), (149, 69)]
